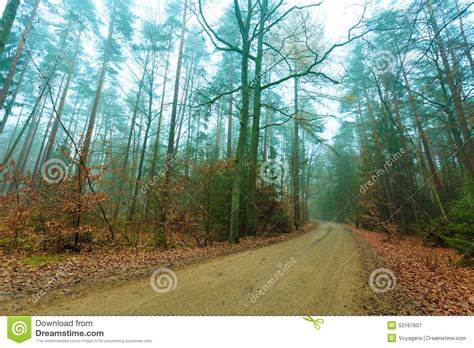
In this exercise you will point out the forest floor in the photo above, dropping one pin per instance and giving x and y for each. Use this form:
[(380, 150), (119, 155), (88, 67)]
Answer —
[(431, 279), (26, 279), (323, 272)]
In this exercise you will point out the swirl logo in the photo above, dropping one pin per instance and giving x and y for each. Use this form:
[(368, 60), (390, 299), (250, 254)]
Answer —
[(163, 280), (272, 171), (383, 62), (382, 280), (54, 171), (19, 328)]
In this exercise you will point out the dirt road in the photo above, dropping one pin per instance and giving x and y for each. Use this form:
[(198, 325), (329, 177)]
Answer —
[(325, 271)]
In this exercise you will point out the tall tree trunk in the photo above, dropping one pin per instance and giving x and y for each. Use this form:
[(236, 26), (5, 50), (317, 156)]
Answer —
[(228, 153), (62, 102), (467, 46), (295, 160), (379, 159), (40, 158), (95, 106), (154, 160), (453, 126), (12, 100), (188, 147), (32, 114), (427, 151), (188, 88), (217, 145), (458, 108), (129, 139), (174, 109), (304, 192), (17, 124), (239, 170), (171, 138), (254, 140), (266, 135), (151, 87), (85, 155), (140, 168), (6, 23), (15, 60), (406, 159), (25, 151)]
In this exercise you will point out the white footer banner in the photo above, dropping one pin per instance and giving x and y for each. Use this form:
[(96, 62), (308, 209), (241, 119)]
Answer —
[(310, 331)]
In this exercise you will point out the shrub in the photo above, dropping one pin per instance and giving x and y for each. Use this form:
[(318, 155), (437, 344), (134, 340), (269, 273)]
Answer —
[(461, 224)]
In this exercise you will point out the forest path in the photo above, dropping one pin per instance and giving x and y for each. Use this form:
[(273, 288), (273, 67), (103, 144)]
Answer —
[(325, 271)]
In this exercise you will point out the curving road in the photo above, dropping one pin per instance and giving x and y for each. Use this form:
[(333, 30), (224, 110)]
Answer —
[(324, 271)]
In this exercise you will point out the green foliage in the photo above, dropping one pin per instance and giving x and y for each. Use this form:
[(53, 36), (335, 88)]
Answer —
[(273, 215), (461, 224), (210, 203), (44, 260)]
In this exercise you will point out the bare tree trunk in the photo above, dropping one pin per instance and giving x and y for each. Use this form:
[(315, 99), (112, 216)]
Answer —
[(154, 160), (229, 126), (6, 23), (25, 152), (62, 102), (239, 169), (266, 136), (189, 85), (98, 93), (188, 147), (406, 158), (453, 126), (254, 140), (458, 108), (217, 144), (295, 161), (40, 157), (467, 46), (17, 124), (129, 139), (38, 101), (431, 166), (12, 100), (174, 110), (140, 167), (14, 62)]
